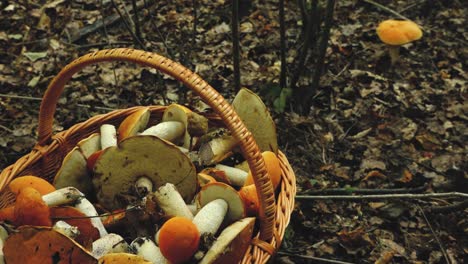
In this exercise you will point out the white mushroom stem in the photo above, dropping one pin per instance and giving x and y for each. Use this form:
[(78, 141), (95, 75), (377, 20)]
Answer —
[(209, 218), (217, 149), (71, 195), (108, 136), (193, 208), (66, 229), (171, 202), (3, 237), (236, 176), (143, 186), (67, 195), (169, 130), (87, 208), (110, 243), (147, 249)]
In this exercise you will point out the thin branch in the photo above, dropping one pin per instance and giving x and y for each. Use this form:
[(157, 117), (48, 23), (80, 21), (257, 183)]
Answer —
[(137, 21), (12, 96), (313, 258), (322, 52), (235, 43), (444, 252), (308, 36), (129, 28), (383, 196), (282, 44), (384, 8), (447, 208), (335, 191)]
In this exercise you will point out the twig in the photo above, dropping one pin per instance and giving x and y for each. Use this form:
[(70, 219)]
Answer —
[(384, 8), (308, 36), (335, 191), (136, 20), (383, 196), (135, 38), (447, 208), (321, 55), (235, 43), (7, 129), (282, 45), (444, 252), (12, 96), (313, 258)]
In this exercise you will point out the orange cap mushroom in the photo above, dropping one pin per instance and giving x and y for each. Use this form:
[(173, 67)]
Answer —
[(178, 239), (30, 209), (396, 33), (273, 167), (41, 185)]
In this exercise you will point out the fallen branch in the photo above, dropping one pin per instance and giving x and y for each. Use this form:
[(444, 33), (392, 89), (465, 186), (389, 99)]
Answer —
[(444, 252), (349, 191), (384, 8), (383, 196), (313, 258), (447, 208)]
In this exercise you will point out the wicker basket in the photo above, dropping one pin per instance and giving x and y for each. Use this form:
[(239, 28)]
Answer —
[(46, 157)]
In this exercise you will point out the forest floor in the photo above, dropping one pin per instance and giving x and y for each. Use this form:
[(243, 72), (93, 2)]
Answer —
[(372, 128)]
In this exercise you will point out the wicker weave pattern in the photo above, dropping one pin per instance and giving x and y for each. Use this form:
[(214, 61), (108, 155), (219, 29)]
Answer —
[(46, 157)]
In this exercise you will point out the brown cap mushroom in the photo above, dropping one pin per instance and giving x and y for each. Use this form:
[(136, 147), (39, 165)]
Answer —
[(30, 209), (395, 33), (118, 169), (133, 123), (41, 185)]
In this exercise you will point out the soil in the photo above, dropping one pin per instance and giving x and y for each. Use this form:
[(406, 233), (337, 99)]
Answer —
[(372, 127)]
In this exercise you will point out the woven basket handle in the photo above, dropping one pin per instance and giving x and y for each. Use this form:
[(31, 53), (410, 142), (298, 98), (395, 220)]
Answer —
[(208, 94)]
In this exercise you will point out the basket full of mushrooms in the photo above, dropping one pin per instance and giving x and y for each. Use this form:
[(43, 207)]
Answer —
[(149, 184)]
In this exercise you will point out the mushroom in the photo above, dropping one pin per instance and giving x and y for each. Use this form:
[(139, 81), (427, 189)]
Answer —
[(108, 136), (195, 125), (210, 217), (71, 195), (74, 172), (3, 237), (30, 209), (90, 144), (118, 169), (110, 243), (204, 178), (146, 248), (395, 33), (38, 244), (273, 168), (236, 176), (178, 239), (217, 149), (218, 190), (231, 244), (249, 197), (41, 185), (171, 202), (134, 123), (119, 258), (169, 130), (66, 229), (71, 215), (256, 117)]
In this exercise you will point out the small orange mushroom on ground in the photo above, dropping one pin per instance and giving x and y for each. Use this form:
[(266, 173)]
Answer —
[(41, 185), (30, 209), (395, 33), (178, 239)]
